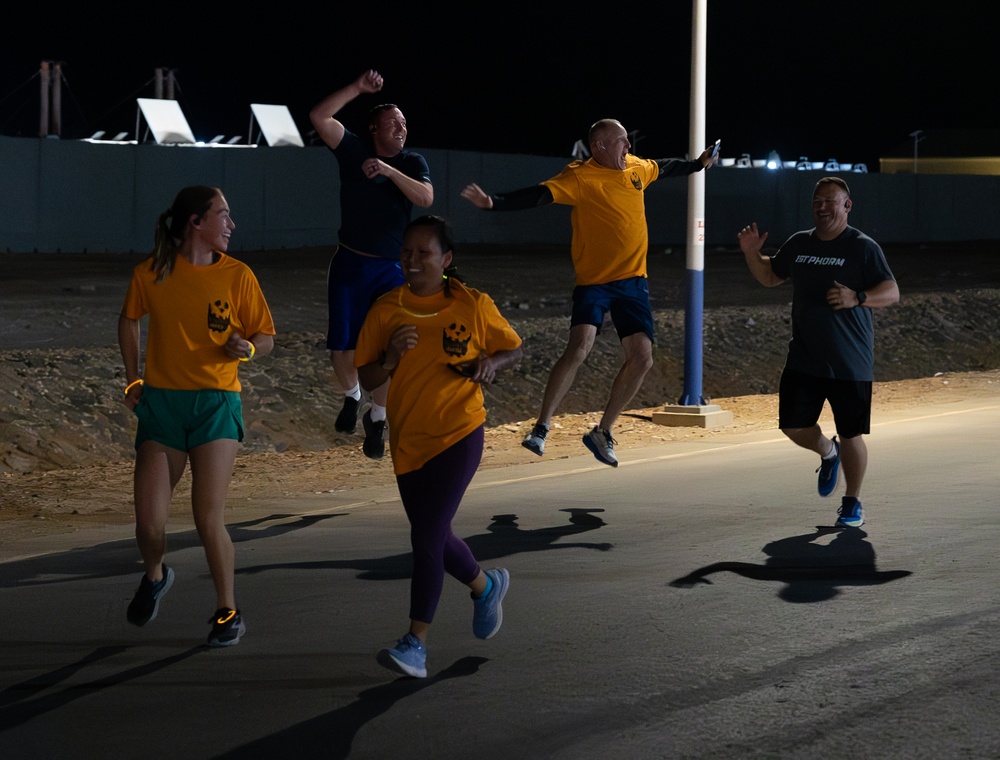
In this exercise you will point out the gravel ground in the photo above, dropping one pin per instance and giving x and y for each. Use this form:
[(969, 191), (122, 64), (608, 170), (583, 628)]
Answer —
[(66, 447)]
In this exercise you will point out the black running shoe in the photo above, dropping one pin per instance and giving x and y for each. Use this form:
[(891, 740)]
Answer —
[(146, 602), (374, 445), (227, 628), (347, 420)]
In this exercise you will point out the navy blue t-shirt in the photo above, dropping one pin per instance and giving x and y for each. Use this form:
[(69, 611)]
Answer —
[(374, 212), (826, 343)]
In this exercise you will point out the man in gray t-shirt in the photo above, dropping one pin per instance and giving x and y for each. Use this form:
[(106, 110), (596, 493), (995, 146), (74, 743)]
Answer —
[(838, 274)]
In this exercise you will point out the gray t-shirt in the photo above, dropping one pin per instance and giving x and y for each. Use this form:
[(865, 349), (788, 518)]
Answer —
[(827, 343)]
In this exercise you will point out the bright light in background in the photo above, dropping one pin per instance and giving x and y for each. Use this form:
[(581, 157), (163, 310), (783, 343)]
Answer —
[(773, 160)]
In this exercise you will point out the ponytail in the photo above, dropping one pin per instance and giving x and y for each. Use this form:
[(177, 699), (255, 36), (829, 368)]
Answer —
[(171, 226)]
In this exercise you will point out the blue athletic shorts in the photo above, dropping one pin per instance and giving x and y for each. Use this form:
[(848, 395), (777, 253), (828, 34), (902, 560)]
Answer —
[(627, 300), (183, 420), (353, 283), (801, 398)]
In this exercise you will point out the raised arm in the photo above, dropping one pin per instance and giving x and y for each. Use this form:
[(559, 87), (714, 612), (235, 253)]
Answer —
[(751, 243), (321, 116)]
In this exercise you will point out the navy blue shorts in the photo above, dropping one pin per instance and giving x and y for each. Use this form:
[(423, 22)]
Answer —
[(627, 300), (353, 283), (801, 398)]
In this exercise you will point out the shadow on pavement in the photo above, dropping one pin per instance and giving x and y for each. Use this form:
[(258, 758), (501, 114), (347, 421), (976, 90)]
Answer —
[(811, 572), (331, 735), (14, 710), (117, 558), (503, 538)]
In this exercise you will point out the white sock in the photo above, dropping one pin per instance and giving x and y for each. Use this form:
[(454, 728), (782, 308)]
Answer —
[(833, 452), (354, 392), (377, 412)]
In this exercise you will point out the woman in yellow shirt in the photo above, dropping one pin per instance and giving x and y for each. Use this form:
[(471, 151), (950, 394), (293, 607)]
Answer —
[(206, 315), (439, 341)]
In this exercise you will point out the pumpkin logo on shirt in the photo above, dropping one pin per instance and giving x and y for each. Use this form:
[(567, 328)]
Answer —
[(218, 316), (636, 181), (455, 339)]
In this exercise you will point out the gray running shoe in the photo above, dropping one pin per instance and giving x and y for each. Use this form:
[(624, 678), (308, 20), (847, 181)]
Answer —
[(601, 445), (535, 441)]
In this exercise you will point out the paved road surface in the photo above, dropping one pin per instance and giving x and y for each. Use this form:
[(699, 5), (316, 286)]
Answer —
[(689, 604)]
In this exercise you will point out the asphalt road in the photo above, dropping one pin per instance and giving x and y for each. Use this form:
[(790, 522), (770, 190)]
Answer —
[(692, 603)]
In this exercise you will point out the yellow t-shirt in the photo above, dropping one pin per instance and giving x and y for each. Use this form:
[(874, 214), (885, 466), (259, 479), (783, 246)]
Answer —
[(610, 237), (192, 313), (430, 407)]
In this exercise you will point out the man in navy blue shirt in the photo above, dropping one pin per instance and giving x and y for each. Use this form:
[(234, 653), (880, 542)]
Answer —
[(380, 183), (838, 275)]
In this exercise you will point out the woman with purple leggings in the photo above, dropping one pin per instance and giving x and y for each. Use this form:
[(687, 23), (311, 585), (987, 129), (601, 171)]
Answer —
[(439, 341)]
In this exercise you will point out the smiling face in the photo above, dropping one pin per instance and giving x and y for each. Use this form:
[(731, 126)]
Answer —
[(423, 260), (830, 207), (215, 226), (609, 145), (389, 132)]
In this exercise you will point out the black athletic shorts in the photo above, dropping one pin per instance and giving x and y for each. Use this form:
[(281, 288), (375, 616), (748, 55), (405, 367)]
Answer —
[(801, 398)]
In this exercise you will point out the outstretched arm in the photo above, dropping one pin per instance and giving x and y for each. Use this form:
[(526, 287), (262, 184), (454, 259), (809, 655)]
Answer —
[(516, 200), (679, 167), (321, 116), (751, 243)]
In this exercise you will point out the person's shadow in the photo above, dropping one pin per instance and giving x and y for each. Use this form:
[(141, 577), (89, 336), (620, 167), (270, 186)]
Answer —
[(811, 572), (503, 537)]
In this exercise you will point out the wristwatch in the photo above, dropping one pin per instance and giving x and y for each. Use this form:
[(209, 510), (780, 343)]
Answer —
[(862, 297)]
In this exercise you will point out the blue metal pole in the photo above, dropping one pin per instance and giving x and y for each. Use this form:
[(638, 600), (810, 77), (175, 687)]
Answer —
[(693, 317), (693, 329)]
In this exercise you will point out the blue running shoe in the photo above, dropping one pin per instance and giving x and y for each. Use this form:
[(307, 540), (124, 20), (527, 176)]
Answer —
[(227, 628), (146, 602), (850, 514), (408, 657), (828, 471), (487, 615)]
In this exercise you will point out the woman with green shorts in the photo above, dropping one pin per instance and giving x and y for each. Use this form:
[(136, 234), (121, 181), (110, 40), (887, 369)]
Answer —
[(207, 314)]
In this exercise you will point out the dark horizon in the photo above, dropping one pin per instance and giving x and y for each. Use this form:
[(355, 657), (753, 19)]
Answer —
[(850, 82)]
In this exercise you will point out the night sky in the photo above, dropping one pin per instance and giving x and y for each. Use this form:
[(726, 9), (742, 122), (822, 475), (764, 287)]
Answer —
[(849, 80)]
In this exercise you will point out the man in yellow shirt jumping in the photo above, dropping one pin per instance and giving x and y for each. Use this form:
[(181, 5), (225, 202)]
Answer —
[(609, 246)]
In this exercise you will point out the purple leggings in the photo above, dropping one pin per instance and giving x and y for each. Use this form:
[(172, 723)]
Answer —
[(431, 496)]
